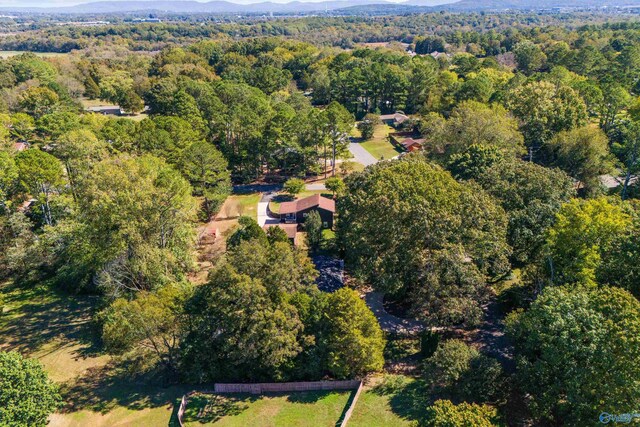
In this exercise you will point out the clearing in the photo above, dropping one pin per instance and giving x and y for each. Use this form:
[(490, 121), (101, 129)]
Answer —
[(57, 330), (379, 146), (313, 408)]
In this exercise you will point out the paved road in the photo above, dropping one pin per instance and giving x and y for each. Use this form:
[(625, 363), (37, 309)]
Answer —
[(361, 155), (263, 209), (316, 187)]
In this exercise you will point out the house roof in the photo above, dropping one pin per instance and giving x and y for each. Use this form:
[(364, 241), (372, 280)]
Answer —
[(396, 117), (20, 146), (308, 202), (290, 229), (409, 142)]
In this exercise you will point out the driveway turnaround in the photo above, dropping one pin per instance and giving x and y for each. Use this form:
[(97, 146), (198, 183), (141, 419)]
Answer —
[(361, 155)]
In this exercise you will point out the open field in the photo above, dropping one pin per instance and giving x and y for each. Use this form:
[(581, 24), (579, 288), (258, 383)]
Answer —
[(379, 146), (390, 401), (313, 408), (10, 53), (57, 330)]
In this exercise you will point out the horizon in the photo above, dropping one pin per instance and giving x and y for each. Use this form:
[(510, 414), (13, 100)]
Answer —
[(71, 3)]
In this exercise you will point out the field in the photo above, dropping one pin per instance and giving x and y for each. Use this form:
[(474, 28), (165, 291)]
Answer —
[(240, 204), (379, 146), (57, 330), (393, 400), (10, 53), (316, 408)]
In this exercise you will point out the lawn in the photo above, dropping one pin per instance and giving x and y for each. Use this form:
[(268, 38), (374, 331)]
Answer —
[(379, 146), (393, 400), (314, 408), (56, 329), (240, 204)]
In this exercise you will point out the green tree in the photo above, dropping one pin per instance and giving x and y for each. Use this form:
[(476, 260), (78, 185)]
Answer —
[(576, 355), (248, 230), (395, 216), (531, 195), (39, 101), (27, 396), (293, 186), (367, 126), (584, 154), (443, 413), (618, 266), (151, 322), (529, 56), (8, 179), (335, 185), (355, 342), (206, 169), (313, 227), (462, 372), (138, 214), (581, 236), (545, 109), (41, 174)]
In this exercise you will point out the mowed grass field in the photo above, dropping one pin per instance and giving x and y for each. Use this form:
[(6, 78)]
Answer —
[(57, 329), (300, 409), (379, 146)]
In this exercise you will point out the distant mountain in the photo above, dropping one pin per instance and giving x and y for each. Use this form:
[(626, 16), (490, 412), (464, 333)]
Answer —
[(294, 7), (218, 6)]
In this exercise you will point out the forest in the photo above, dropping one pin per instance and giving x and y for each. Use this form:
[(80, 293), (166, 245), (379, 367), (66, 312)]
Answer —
[(520, 213)]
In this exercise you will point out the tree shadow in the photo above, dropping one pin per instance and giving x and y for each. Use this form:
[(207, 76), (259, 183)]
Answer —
[(209, 408), (103, 388), (408, 400), (38, 316), (307, 396), (280, 198)]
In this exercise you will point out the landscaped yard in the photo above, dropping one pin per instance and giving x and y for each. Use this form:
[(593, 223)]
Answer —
[(379, 146), (315, 408), (57, 330)]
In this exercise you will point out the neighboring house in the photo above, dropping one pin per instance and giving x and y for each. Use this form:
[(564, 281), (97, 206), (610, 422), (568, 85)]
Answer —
[(412, 144), (290, 229), (395, 119), (408, 141), (296, 212), (107, 110), (20, 146)]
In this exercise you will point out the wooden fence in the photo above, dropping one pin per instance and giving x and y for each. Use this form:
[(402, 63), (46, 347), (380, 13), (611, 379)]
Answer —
[(259, 388)]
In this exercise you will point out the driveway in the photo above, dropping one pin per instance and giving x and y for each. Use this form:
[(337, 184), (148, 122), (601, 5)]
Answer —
[(316, 187), (331, 273), (361, 155), (264, 215), (388, 322)]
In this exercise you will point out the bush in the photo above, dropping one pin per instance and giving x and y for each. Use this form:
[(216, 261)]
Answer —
[(293, 186), (461, 372), (429, 343), (443, 413)]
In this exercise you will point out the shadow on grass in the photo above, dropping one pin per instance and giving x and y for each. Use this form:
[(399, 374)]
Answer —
[(346, 408), (308, 396), (408, 399), (37, 315), (209, 408)]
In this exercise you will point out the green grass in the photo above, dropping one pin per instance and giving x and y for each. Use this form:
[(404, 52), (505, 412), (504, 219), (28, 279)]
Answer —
[(241, 204), (379, 146), (10, 53), (316, 408), (57, 329), (397, 401)]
